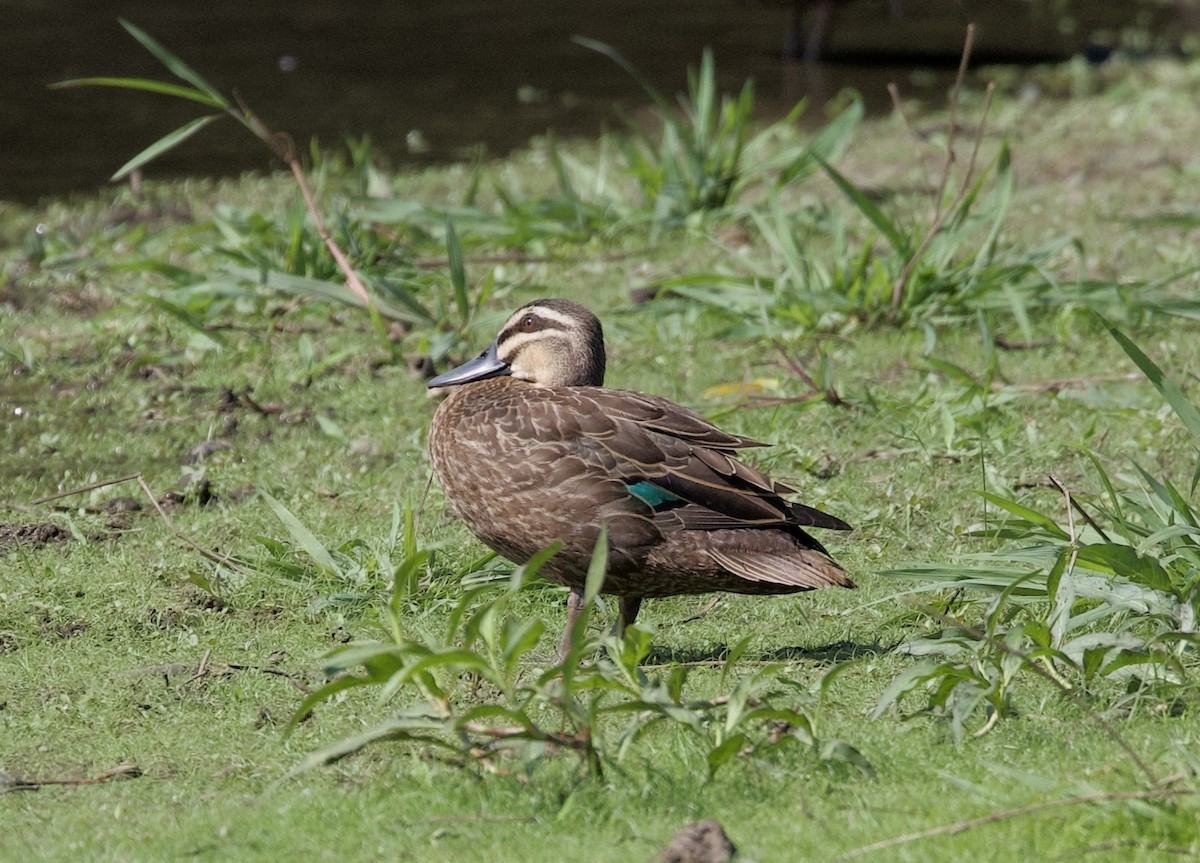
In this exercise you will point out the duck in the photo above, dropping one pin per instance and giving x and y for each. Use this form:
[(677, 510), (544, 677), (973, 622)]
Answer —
[(531, 449)]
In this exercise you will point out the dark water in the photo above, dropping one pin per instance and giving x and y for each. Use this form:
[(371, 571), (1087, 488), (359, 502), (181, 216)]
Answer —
[(449, 75)]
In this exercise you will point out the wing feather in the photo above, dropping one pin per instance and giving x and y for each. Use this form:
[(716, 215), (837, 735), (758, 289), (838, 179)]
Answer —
[(644, 438)]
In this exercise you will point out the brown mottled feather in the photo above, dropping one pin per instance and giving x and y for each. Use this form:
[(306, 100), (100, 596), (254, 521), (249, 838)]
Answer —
[(526, 464)]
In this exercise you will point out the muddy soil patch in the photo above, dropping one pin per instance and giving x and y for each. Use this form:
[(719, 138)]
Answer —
[(34, 535)]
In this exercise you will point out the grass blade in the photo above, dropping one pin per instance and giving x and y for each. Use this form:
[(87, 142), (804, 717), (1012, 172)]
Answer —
[(1167, 387), (458, 272), (1046, 523), (867, 207), (302, 535), (145, 84), (614, 55), (176, 66), (185, 317), (164, 144)]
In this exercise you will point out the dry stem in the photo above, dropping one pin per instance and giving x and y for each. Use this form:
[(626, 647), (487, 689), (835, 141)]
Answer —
[(940, 212), (1005, 814)]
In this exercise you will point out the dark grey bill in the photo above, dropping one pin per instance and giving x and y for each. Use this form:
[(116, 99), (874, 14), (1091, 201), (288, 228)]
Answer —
[(486, 365)]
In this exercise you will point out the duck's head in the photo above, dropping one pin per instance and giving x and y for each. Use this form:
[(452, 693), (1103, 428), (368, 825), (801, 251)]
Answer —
[(549, 343)]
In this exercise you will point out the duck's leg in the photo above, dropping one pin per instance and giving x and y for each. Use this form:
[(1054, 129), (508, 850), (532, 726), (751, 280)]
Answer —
[(630, 605), (574, 607)]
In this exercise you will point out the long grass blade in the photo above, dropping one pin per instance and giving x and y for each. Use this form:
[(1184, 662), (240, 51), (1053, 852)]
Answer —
[(827, 144), (616, 56), (1046, 523), (458, 272), (185, 317), (165, 143), (145, 84), (302, 535), (176, 66), (867, 207), (1167, 387)]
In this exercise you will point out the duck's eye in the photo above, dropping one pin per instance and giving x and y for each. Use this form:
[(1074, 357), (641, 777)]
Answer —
[(529, 323)]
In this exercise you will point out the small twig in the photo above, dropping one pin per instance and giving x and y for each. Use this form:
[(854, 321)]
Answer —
[(703, 613), (525, 258), (979, 135), (963, 62), (829, 394), (581, 742), (180, 535), (505, 258), (1007, 345), (1006, 814), (201, 669), (1062, 383), (480, 819), (92, 486), (1075, 504), (262, 669), (1126, 843), (894, 92), (206, 669), (939, 211), (121, 771), (282, 147), (776, 401)]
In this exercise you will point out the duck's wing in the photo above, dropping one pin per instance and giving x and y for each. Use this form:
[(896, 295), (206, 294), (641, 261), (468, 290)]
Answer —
[(683, 467)]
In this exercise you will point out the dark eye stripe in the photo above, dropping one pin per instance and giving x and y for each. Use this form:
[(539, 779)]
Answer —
[(537, 324)]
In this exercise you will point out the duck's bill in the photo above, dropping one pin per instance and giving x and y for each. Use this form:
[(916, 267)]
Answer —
[(486, 365)]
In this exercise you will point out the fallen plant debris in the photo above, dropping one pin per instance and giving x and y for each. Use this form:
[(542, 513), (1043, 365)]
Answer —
[(9, 782), (223, 669)]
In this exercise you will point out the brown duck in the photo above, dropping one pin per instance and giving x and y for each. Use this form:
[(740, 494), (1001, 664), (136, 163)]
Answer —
[(531, 448)]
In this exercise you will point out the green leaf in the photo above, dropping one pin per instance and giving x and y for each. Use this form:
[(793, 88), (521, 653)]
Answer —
[(1166, 386), (868, 208), (724, 752), (185, 317), (165, 143), (595, 580), (400, 728), (597, 569), (905, 682), (529, 569), (315, 288), (840, 752), (614, 55), (406, 577), (323, 694), (520, 637), (174, 64), (829, 143), (954, 373), (1124, 561), (1032, 516), (1000, 201), (302, 535), (147, 85), (458, 272)]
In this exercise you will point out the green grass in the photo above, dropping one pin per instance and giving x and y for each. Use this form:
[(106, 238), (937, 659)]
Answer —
[(104, 629)]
